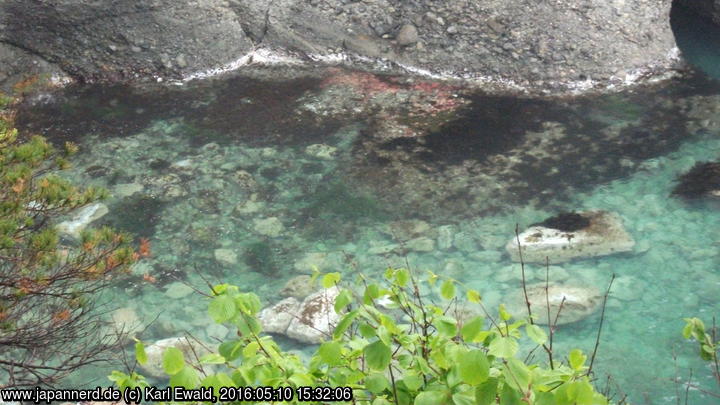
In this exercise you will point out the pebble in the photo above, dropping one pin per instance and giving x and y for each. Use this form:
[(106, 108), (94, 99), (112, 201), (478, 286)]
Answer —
[(445, 237), (178, 290), (271, 227), (407, 35), (226, 256)]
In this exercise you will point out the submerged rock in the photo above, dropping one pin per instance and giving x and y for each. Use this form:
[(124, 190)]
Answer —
[(277, 318), (299, 287), (584, 234), (309, 321), (271, 227), (703, 180), (126, 320), (192, 351), (226, 257), (81, 219), (323, 261), (321, 151), (316, 317), (577, 303)]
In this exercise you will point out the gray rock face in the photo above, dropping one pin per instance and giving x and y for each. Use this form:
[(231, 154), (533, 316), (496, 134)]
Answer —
[(516, 44), (123, 39)]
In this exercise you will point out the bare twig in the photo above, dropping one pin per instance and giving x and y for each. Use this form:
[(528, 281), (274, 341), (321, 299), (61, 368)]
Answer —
[(602, 321)]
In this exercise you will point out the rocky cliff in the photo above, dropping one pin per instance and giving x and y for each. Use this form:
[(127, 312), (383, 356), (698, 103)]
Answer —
[(554, 45)]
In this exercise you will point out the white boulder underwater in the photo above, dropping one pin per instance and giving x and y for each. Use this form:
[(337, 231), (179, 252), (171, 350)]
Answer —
[(570, 236)]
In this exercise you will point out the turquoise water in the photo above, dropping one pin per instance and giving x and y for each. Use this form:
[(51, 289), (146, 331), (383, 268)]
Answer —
[(225, 165)]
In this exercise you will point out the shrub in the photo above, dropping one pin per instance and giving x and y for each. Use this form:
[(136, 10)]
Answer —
[(392, 345), (47, 324)]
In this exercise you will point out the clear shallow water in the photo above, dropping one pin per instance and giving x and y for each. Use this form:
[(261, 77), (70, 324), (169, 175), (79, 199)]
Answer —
[(204, 167)]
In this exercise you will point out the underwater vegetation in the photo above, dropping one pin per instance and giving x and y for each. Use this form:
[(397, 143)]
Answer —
[(702, 180), (138, 215), (260, 257), (566, 222)]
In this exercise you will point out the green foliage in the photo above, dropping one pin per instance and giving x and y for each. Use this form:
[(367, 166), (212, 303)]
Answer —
[(709, 347), (407, 351), (45, 286)]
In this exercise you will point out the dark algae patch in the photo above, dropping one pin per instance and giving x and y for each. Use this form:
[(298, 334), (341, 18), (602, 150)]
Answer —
[(222, 111), (566, 222), (490, 125), (702, 180)]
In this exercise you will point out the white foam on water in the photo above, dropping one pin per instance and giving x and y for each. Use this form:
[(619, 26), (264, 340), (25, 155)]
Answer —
[(270, 57)]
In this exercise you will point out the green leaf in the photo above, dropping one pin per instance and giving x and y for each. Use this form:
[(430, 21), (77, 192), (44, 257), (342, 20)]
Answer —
[(140, 354), (474, 367), (471, 329), (509, 396), (577, 359), (402, 276), (250, 350), (377, 355), (413, 382), (367, 331), (377, 383), (447, 290), (222, 308), (187, 377), (216, 381), (430, 398), (536, 333), (463, 398), (473, 296), (330, 280), (486, 392), (343, 300), (517, 374), (505, 347), (504, 314), (432, 278), (231, 350), (584, 393), (331, 353), (344, 324), (173, 360), (212, 358), (446, 326)]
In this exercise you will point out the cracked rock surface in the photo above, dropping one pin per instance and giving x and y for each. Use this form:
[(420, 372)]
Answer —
[(551, 45)]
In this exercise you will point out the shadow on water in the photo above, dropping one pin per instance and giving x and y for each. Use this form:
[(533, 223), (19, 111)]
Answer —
[(698, 39), (221, 111), (535, 151), (490, 125)]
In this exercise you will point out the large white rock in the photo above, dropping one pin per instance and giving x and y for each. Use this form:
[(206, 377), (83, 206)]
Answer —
[(311, 321), (277, 318), (579, 303), (81, 219), (154, 352), (604, 235), (316, 317)]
